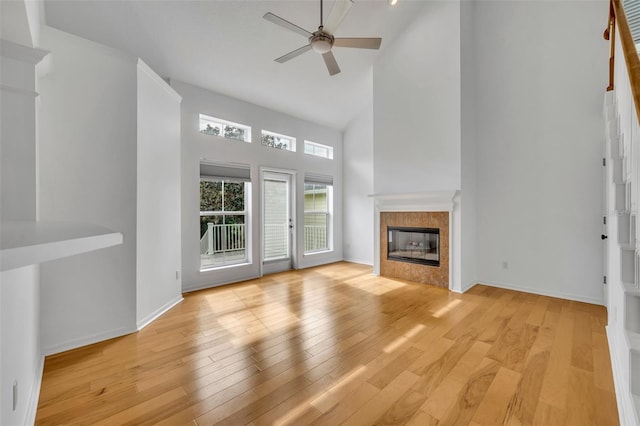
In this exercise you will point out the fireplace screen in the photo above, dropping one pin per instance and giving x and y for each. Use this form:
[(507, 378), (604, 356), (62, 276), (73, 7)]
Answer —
[(415, 245)]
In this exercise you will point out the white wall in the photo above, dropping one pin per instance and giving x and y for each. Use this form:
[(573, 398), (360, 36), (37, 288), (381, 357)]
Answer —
[(416, 105), (196, 146), (158, 196), (357, 186), (539, 126), (87, 158), (21, 359)]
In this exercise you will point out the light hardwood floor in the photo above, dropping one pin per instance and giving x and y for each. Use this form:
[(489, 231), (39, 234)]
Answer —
[(334, 345)]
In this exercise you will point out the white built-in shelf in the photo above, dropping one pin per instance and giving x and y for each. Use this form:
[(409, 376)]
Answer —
[(28, 243), (633, 340), (628, 265)]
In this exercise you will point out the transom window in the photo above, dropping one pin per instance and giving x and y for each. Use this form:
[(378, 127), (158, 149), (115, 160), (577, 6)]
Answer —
[(226, 129), (318, 150), (278, 141)]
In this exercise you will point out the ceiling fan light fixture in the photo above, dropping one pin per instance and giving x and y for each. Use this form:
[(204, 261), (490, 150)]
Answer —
[(321, 43), (322, 40)]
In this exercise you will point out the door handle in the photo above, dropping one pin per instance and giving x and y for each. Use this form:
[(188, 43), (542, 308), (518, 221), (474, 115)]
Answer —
[(604, 237)]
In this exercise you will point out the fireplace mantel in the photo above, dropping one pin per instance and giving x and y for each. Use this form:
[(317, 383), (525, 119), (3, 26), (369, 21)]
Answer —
[(431, 201)]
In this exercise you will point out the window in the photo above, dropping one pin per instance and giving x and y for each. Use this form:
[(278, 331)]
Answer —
[(226, 129), (275, 140), (319, 150), (223, 216), (317, 213)]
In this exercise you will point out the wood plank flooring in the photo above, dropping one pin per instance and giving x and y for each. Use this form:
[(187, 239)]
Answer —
[(335, 345)]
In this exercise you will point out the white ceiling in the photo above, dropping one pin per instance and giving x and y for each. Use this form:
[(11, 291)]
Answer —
[(227, 47)]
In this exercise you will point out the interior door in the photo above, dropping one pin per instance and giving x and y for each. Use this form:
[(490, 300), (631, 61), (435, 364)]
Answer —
[(277, 222)]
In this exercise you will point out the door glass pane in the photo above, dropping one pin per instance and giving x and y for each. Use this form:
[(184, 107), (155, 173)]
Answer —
[(276, 219)]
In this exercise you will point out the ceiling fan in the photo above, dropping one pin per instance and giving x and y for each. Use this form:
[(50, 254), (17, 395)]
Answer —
[(322, 40)]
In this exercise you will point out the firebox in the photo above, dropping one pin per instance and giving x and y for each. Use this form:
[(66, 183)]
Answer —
[(414, 245)]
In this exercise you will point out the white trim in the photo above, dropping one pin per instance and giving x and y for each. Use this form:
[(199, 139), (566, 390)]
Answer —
[(87, 340), (626, 411), (155, 314), (468, 286), (358, 261), (550, 293), (428, 199), (142, 66), (32, 404)]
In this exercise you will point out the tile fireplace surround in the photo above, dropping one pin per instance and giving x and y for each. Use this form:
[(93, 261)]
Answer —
[(433, 275), (434, 209)]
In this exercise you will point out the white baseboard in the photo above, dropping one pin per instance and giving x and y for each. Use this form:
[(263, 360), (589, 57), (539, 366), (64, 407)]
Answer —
[(359, 261), (626, 410), (87, 340), (468, 286), (32, 404), (542, 292), (155, 314)]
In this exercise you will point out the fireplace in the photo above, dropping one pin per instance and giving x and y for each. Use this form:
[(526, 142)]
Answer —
[(414, 245), (418, 263)]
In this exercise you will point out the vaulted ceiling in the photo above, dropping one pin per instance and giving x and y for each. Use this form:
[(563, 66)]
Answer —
[(227, 47)]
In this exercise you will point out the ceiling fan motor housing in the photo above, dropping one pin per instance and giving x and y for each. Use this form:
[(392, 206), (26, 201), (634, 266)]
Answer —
[(321, 42)]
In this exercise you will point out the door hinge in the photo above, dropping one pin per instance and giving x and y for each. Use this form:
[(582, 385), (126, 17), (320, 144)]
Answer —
[(604, 220), (605, 279), (604, 162)]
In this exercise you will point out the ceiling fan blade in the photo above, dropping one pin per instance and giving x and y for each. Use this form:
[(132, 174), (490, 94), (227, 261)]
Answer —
[(330, 62), (358, 43), (284, 58), (286, 24), (336, 16)]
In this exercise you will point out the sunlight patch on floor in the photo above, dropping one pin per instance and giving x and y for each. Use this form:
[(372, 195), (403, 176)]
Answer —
[(316, 400), (449, 306), (404, 338), (375, 285), (245, 323)]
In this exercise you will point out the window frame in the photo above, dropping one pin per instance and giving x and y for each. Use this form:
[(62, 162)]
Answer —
[(221, 123), (316, 145), (328, 215), (224, 213), (291, 139)]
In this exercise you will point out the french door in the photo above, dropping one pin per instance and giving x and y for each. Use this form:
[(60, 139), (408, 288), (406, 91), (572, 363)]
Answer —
[(277, 222)]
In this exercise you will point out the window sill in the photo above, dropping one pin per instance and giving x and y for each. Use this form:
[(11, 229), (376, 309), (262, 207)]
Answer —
[(218, 268), (313, 253)]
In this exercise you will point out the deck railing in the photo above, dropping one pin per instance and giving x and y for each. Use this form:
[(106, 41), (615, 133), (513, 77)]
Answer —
[(223, 238)]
